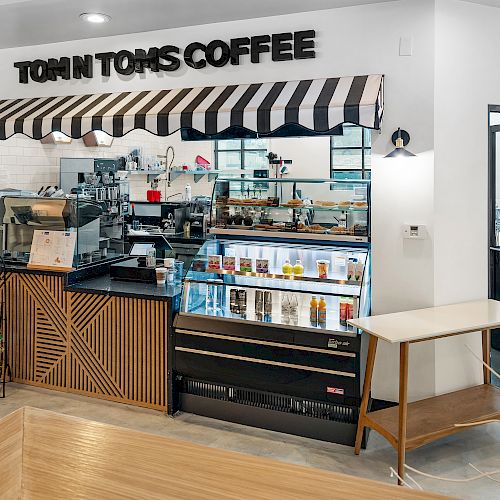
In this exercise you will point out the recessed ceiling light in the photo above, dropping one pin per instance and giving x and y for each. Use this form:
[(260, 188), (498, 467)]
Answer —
[(95, 17)]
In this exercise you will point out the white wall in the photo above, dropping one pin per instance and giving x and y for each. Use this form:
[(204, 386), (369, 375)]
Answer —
[(350, 41), (467, 80)]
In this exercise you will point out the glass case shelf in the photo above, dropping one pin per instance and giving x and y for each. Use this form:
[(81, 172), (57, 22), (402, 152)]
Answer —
[(301, 322), (318, 287), (288, 277), (333, 208)]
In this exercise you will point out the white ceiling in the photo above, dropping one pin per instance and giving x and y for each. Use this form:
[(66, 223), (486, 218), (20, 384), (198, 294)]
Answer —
[(35, 22)]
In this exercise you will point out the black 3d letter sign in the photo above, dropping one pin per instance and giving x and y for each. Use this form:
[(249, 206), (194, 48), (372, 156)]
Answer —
[(197, 55)]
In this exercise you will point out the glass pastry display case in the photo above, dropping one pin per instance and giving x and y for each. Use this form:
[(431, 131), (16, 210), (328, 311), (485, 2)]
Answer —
[(310, 287), (335, 210)]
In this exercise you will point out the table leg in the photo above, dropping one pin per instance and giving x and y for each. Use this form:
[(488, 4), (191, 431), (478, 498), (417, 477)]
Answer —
[(486, 355), (370, 361), (403, 408)]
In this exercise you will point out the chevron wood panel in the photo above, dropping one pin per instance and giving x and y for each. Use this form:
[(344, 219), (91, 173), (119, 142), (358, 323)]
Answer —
[(117, 348), (36, 325), (107, 347)]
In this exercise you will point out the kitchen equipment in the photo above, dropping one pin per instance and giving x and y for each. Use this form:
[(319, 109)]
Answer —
[(199, 214), (21, 216), (98, 178), (167, 217)]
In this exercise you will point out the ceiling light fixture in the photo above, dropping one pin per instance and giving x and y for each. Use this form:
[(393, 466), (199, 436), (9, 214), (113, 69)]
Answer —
[(95, 17), (400, 139)]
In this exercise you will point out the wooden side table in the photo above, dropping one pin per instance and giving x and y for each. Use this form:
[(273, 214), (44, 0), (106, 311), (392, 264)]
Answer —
[(409, 426)]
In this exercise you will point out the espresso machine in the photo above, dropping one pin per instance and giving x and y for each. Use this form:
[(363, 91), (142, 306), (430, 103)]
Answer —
[(104, 181), (199, 215), (99, 179)]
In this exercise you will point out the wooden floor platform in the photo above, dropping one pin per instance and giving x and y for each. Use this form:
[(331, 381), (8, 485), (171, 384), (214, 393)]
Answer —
[(45, 455), (433, 418)]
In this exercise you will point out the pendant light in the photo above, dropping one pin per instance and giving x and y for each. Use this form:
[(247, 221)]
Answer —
[(400, 139)]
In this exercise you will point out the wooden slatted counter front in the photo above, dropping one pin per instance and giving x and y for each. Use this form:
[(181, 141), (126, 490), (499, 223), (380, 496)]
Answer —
[(89, 340)]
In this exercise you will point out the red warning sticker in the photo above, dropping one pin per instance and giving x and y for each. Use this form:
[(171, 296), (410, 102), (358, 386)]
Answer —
[(335, 390)]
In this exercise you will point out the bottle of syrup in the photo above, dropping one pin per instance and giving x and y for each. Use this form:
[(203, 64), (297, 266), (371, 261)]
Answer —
[(135, 222)]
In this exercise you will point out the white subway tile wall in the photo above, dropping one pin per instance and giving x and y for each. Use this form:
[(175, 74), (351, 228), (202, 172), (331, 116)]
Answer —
[(27, 164)]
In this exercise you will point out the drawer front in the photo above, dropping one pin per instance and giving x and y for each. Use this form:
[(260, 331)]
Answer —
[(268, 351), (266, 376), (349, 342)]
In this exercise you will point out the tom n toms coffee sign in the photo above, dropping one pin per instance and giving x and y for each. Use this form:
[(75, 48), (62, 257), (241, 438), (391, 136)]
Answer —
[(217, 53)]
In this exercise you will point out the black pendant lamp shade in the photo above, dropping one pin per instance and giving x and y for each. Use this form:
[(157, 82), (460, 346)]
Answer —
[(400, 139)]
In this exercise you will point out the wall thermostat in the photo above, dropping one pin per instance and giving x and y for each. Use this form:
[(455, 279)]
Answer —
[(414, 231)]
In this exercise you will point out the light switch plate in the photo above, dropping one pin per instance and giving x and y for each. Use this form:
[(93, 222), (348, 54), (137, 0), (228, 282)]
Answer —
[(406, 46)]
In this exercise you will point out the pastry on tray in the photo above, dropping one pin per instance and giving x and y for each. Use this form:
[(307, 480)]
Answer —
[(294, 203), (321, 203)]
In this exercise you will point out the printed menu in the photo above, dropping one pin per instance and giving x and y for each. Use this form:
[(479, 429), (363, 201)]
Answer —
[(52, 249)]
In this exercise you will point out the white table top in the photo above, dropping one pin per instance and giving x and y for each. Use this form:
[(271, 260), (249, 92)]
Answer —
[(423, 324)]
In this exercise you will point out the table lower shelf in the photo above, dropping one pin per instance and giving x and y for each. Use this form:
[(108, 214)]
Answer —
[(434, 418)]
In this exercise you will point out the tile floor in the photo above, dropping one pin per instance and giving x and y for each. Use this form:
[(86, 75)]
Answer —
[(448, 457)]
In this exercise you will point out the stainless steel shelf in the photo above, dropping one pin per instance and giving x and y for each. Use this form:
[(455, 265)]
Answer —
[(301, 180), (197, 174)]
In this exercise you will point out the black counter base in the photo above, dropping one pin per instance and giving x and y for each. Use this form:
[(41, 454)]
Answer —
[(273, 420), (277, 412)]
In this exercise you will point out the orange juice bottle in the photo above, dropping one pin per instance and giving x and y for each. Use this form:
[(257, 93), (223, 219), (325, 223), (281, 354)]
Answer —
[(322, 310), (313, 310)]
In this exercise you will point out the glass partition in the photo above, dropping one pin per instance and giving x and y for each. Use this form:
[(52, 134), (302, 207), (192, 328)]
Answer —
[(99, 234)]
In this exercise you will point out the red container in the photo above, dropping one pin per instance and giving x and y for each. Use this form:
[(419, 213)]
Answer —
[(153, 196)]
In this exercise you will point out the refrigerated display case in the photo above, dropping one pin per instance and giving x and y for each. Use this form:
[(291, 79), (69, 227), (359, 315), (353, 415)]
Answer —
[(251, 345), (304, 209), (224, 267)]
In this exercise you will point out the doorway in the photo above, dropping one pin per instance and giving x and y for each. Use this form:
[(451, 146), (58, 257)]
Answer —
[(494, 224)]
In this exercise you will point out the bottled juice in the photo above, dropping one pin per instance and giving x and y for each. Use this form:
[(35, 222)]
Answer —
[(350, 309), (287, 268), (313, 310), (298, 268), (322, 310), (343, 311)]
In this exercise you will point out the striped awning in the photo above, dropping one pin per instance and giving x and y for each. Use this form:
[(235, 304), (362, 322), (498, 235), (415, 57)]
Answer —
[(315, 105)]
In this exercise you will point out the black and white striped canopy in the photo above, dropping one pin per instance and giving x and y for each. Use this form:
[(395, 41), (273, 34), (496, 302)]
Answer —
[(316, 105)]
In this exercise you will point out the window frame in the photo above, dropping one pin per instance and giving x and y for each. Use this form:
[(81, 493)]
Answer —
[(363, 148), (241, 150)]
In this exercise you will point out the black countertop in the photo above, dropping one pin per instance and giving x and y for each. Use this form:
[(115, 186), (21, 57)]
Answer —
[(105, 285), (195, 239)]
